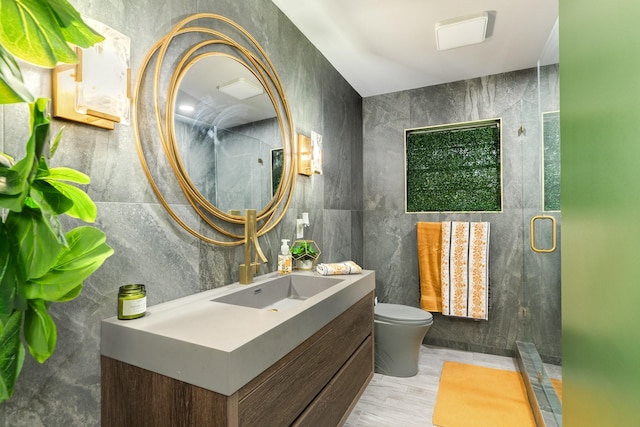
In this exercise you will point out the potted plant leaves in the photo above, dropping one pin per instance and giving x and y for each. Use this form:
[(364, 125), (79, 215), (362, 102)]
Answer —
[(305, 253), (39, 263)]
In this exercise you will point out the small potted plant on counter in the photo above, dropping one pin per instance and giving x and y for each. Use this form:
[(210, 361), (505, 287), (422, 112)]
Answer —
[(305, 253)]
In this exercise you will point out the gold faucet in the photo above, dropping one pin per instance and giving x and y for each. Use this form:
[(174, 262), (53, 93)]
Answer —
[(249, 269)]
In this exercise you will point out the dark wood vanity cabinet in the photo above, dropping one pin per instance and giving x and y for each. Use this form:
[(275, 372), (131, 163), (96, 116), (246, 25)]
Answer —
[(316, 384)]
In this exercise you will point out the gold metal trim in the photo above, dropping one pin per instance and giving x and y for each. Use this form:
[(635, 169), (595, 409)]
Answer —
[(102, 115), (78, 74), (532, 230), (236, 43), (305, 153), (250, 268)]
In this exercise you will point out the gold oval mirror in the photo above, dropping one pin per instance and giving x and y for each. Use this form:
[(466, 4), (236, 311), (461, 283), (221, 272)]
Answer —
[(223, 134)]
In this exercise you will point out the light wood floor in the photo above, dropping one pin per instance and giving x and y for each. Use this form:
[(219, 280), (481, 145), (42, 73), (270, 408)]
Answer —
[(409, 402)]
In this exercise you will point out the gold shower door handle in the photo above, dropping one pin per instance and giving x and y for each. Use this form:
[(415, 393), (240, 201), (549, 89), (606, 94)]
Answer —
[(532, 229)]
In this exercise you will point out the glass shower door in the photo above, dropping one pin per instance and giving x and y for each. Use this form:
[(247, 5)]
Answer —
[(541, 214), (540, 332)]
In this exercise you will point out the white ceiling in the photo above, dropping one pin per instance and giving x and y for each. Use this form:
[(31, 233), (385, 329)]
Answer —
[(384, 46), (199, 89)]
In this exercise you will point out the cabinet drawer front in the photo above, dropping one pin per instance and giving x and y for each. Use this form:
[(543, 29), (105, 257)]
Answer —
[(132, 396), (331, 406), (287, 388)]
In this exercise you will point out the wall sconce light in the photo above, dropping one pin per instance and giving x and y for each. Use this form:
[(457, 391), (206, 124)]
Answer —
[(96, 90), (316, 145), (310, 154), (305, 155)]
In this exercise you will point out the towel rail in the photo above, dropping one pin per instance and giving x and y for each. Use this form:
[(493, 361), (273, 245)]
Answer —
[(532, 229)]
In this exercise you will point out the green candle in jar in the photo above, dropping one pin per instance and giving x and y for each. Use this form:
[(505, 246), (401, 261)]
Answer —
[(132, 301)]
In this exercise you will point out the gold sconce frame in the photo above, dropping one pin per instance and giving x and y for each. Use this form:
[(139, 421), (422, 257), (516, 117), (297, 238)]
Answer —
[(305, 155), (155, 92), (96, 90), (310, 154)]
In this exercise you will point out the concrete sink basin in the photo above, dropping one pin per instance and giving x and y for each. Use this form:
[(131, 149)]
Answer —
[(280, 293)]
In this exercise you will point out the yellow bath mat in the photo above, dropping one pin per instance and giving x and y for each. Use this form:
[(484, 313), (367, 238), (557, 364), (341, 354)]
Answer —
[(475, 396)]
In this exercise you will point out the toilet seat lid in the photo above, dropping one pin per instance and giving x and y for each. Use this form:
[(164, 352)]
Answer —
[(402, 314)]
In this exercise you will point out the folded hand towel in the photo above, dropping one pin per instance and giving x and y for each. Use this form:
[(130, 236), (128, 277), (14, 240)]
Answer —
[(429, 236), (346, 267)]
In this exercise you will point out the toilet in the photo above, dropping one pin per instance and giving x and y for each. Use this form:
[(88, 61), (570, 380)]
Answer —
[(399, 330)]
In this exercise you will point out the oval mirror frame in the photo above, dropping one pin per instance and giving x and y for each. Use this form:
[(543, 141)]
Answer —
[(166, 63)]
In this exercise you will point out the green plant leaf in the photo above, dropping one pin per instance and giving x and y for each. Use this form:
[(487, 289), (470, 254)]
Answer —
[(303, 250), (10, 183), (40, 201), (11, 354), (9, 179), (86, 252), (36, 246), (16, 190), (39, 115), (86, 244), (70, 22), (38, 31), (71, 295), (82, 206), (56, 141), (6, 160), (39, 331), (44, 193), (12, 87), (8, 282), (24, 171), (68, 174), (30, 32)]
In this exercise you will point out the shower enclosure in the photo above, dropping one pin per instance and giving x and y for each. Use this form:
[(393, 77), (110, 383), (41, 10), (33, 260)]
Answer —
[(540, 138), (540, 317), (235, 168)]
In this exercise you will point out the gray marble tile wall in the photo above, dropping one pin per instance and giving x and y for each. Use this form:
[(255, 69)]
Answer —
[(149, 247), (525, 286)]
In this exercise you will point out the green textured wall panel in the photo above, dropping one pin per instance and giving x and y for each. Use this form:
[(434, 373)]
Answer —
[(454, 168), (551, 158), (600, 196)]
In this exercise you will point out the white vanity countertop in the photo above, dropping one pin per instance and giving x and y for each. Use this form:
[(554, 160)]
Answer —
[(221, 347)]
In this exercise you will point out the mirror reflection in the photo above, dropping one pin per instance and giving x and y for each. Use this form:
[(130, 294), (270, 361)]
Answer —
[(226, 129)]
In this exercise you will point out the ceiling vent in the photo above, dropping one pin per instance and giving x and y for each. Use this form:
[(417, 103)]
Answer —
[(462, 31), (241, 88)]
